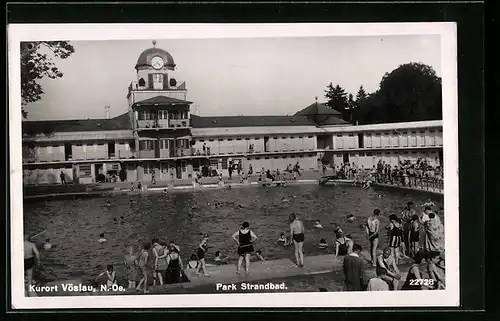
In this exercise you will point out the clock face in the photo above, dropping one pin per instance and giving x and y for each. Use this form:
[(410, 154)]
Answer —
[(157, 62)]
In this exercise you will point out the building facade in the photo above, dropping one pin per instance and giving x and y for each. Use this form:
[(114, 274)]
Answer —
[(158, 136)]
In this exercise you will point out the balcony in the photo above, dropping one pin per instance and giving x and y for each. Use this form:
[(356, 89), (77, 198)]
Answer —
[(146, 154), (44, 158), (179, 123), (134, 86), (163, 123), (84, 156)]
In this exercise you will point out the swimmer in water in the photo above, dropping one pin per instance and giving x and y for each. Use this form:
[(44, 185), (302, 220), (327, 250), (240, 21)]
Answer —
[(350, 218), (258, 255), (322, 244), (131, 201), (47, 245), (282, 238), (108, 203), (285, 200), (101, 238), (115, 219), (317, 224)]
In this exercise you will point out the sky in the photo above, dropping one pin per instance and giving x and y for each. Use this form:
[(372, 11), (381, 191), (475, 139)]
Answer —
[(259, 76)]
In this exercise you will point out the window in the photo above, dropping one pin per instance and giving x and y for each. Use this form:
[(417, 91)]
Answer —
[(148, 168), (183, 143), (142, 82), (275, 157), (275, 137), (300, 137), (230, 139), (85, 170), (201, 140), (339, 135), (377, 134), (247, 138), (221, 140), (257, 157), (164, 144), (162, 114), (369, 154), (351, 135), (210, 140), (158, 78), (224, 163), (266, 157), (100, 144), (310, 136), (164, 167), (238, 138), (284, 156), (183, 167), (283, 137), (214, 162)]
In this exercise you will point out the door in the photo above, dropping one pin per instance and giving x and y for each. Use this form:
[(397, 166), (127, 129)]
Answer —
[(68, 151), (99, 173), (266, 143), (178, 169), (111, 150), (345, 158)]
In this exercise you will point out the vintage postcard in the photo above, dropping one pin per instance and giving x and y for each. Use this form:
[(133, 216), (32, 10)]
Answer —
[(244, 165)]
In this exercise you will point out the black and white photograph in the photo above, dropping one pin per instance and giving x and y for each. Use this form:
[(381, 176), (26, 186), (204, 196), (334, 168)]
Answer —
[(252, 165)]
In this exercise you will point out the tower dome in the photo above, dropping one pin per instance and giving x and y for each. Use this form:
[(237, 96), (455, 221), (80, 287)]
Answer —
[(145, 57)]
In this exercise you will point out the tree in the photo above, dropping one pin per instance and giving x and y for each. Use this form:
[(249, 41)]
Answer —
[(36, 65), (337, 98), (411, 92), (361, 96)]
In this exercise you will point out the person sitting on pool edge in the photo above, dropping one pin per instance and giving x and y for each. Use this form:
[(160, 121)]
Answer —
[(101, 238), (193, 262), (322, 244), (219, 260), (282, 238), (317, 224)]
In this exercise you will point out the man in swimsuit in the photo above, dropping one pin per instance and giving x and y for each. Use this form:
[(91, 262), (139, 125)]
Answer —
[(372, 227), (30, 252), (297, 233)]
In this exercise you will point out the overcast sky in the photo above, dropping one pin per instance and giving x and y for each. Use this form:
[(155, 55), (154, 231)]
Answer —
[(267, 76)]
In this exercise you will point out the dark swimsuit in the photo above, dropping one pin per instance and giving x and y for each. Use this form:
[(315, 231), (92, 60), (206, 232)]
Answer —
[(410, 283), (201, 252), (299, 238), (245, 246), (342, 247), (396, 237), (29, 263)]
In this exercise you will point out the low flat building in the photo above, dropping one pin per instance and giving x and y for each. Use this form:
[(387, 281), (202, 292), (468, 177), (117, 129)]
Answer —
[(158, 136)]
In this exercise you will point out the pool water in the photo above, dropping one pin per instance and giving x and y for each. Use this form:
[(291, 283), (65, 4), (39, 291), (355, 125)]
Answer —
[(181, 216)]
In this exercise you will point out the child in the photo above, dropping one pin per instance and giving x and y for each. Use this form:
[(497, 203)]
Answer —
[(322, 244), (218, 259), (282, 238), (143, 265), (101, 238), (47, 245), (414, 236), (350, 218), (193, 262), (131, 267), (288, 241), (317, 224), (259, 256), (110, 276)]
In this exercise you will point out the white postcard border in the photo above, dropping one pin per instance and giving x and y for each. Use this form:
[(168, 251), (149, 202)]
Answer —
[(74, 32)]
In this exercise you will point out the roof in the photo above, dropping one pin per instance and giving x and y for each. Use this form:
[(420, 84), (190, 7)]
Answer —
[(121, 122), (416, 125), (317, 109), (146, 55), (249, 121), (162, 100), (256, 130)]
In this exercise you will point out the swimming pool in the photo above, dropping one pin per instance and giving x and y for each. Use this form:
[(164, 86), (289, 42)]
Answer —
[(180, 216)]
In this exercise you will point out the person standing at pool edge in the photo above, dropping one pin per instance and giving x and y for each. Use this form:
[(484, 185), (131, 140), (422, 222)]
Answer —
[(244, 237), (372, 227), (30, 252), (297, 233)]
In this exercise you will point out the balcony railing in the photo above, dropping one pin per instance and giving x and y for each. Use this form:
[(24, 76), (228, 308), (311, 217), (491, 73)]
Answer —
[(163, 123), (61, 157), (134, 85)]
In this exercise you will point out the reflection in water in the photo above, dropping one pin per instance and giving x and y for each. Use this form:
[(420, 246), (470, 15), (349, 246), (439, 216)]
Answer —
[(74, 225)]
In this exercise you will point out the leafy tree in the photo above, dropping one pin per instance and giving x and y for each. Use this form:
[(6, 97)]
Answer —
[(36, 65), (337, 99), (411, 92)]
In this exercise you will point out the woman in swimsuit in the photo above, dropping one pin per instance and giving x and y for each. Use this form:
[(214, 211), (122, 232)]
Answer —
[(202, 249), (175, 267), (30, 253), (414, 275), (244, 237), (372, 227), (131, 267), (297, 233), (414, 234), (387, 269), (396, 238), (343, 244), (160, 257)]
